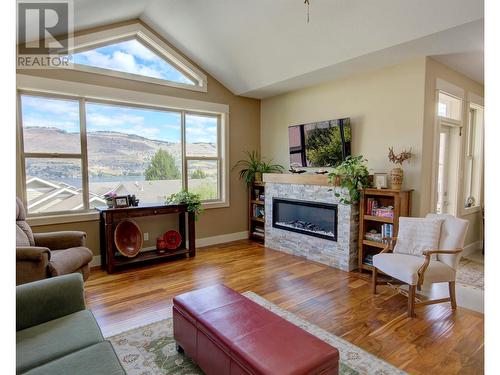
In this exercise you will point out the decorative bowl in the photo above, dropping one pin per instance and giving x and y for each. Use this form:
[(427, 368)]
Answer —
[(128, 238), (173, 239)]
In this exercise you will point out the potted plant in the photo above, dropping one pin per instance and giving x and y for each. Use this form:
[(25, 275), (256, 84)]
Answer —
[(253, 168), (353, 175), (397, 173), (192, 200)]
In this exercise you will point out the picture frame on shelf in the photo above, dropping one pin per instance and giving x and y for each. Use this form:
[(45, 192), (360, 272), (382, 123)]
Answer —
[(380, 180), (121, 201)]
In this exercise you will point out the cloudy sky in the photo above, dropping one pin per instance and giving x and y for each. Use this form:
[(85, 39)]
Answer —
[(148, 123), (132, 57)]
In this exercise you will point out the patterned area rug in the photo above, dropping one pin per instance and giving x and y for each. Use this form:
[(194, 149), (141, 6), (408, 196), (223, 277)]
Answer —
[(150, 350), (471, 273)]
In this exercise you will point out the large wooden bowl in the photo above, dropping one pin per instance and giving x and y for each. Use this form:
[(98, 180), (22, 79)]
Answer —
[(128, 238)]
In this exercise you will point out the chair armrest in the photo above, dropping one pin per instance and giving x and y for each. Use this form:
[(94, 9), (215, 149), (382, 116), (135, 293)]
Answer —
[(44, 300), (60, 240), (32, 253), (389, 244), (427, 254)]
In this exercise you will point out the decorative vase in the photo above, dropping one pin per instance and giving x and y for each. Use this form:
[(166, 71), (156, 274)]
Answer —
[(396, 178), (258, 177)]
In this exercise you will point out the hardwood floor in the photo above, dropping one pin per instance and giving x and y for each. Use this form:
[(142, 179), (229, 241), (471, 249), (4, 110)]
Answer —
[(437, 341)]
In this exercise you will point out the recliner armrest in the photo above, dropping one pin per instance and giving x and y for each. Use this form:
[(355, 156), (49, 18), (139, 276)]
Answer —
[(44, 300), (32, 253), (60, 240)]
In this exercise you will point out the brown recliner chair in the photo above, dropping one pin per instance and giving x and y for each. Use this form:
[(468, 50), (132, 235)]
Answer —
[(43, 255)]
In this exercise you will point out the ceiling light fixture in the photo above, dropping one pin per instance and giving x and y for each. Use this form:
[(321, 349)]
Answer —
[(307, 3)]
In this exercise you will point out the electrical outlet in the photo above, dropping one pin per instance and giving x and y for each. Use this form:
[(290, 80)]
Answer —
[(146, 236)]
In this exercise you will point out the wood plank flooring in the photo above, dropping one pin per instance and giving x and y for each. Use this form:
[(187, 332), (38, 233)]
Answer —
[(438, 341)]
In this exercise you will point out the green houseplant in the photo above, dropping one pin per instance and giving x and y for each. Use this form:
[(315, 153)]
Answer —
[(351, 174), (254, 166), (192, 200)]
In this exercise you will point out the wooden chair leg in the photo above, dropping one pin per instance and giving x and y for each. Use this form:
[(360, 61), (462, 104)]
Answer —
[(374, 281), (411, 300), (453, 298)]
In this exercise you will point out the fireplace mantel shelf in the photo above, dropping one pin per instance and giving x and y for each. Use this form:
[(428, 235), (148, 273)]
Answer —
[(300, 179)]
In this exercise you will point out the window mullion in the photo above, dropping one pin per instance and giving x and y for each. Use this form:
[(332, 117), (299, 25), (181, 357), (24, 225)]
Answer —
[(55, 155), (85, 164)]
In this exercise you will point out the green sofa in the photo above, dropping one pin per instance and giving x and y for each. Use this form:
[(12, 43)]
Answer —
[(55, 334)]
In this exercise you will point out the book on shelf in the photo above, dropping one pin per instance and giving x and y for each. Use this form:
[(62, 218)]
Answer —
[(368, 259), (258, 234), (375, 237), (373, 209), (371, 204), (384, 212), (258, 211), (386, 230), (259, 229)]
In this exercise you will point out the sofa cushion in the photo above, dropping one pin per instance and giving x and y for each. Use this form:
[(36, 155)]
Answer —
[(96, 359), (69, 260), (417, 234), (54, 339), (404, 267)]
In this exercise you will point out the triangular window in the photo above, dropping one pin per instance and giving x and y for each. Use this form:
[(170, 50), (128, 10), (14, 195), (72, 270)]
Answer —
[(131, 56), (134, 52)]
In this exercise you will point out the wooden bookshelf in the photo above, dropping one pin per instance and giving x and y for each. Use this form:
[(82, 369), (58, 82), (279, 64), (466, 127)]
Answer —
[(256, 224), (400, 200)]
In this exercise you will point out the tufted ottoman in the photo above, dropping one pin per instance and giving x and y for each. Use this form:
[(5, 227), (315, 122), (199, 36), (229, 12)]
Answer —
[(225, 333)]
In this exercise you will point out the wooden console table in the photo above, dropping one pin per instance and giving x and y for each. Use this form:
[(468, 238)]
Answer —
[(110, 217)]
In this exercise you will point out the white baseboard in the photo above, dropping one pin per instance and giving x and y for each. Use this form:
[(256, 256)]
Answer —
[(200, 242), (470, 248), (223, 238)]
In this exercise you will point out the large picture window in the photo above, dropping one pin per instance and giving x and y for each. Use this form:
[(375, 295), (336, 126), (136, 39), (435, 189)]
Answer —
[(75, 151)]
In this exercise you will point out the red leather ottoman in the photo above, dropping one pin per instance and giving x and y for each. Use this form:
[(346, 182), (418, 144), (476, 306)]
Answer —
[(226, 333)]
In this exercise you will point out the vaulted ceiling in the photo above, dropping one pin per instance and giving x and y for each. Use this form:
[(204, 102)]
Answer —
[(261, 48)]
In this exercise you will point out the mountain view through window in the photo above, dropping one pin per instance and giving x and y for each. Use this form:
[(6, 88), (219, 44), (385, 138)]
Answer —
[(130, 150)]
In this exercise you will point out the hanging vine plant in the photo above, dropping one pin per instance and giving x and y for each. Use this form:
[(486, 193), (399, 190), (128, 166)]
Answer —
[(352, 174)]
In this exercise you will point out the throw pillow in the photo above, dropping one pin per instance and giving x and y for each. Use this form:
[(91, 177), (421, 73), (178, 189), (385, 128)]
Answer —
[(417, 235)]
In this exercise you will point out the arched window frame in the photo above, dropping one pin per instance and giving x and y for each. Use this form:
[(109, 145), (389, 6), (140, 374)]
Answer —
[(150, 40)]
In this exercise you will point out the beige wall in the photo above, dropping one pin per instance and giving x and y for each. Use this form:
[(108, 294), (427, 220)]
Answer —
[(385, 107), (244, 134), (393, 106), (434, 71)]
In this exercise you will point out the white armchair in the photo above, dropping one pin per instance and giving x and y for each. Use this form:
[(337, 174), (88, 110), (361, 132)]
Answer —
[(433, 265)]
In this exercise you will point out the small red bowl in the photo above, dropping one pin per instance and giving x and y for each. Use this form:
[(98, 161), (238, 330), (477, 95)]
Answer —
[(173, 239)]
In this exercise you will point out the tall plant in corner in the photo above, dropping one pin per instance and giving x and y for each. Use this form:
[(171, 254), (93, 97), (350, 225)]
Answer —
[(253, 167), (352, 174)]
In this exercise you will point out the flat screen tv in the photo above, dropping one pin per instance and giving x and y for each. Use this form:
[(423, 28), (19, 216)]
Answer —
[(320, 144)]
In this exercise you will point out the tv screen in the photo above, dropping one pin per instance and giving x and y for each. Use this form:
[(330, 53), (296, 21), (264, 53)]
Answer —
[(320, 144)]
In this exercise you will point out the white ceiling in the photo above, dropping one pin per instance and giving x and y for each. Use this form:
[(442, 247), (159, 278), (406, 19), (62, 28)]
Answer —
[(261, 48)]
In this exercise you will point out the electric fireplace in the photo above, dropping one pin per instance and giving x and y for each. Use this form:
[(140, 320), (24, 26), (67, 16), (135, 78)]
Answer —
[(312, 218)]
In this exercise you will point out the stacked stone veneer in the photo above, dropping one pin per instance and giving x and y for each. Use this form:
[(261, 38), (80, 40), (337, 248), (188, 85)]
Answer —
[(341, 254)]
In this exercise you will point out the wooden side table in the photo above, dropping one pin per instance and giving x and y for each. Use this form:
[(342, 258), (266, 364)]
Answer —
[(110, 217)]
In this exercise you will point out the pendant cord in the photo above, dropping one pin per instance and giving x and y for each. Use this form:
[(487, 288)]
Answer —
[(307, 3)]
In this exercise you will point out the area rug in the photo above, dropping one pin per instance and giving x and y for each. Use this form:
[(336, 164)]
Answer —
[(150, 350), (471, 273)]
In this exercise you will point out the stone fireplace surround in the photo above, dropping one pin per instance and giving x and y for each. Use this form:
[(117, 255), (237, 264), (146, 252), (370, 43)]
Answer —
[(340, 254)]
